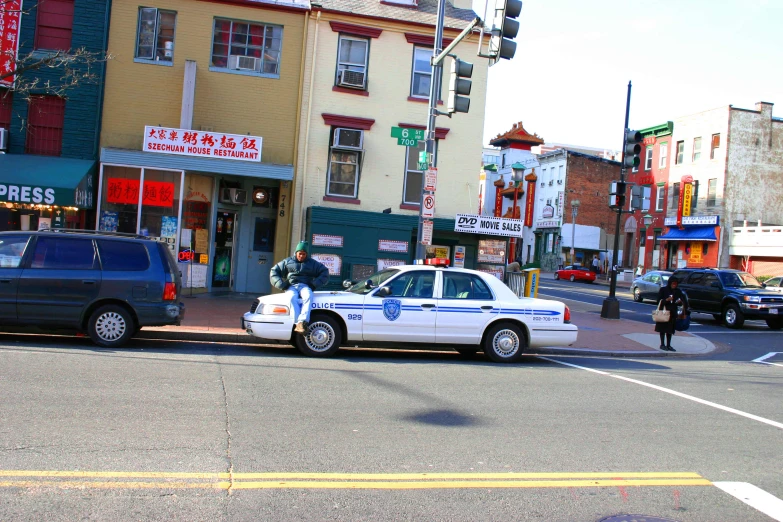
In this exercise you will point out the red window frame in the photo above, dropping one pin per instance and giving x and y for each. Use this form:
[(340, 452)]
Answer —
[(6, 101), (45, 121), (54, 25)]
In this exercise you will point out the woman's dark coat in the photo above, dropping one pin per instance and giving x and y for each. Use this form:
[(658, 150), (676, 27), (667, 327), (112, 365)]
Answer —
[(680, 299)]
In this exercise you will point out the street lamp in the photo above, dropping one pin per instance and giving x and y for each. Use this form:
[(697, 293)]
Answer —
[(517, 176), (574, 211)]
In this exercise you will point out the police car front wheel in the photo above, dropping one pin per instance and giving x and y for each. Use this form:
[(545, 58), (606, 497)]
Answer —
[(322, 339), (505, 343)]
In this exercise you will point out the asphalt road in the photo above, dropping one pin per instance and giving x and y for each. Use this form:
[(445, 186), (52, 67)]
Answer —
[(186, 431), (753, 340)]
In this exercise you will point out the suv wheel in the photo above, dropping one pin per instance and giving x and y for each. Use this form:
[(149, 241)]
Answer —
[(732, 316), (111, 326), (322, 339), (637, 295), (775, 323)]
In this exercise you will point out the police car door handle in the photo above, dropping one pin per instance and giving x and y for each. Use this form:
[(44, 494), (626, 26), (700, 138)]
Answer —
[(487, 308), (427, 305)]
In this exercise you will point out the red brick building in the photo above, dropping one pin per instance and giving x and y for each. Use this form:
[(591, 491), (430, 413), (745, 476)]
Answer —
[(641, 240)]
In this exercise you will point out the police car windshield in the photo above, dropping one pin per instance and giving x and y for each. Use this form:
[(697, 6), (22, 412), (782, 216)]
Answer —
[(375, 280)]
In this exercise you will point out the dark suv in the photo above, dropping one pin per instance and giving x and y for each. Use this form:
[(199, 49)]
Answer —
[(108, 285), (730, 296)]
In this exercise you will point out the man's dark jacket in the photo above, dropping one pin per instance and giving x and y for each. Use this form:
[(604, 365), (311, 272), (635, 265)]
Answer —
[(290, 272)]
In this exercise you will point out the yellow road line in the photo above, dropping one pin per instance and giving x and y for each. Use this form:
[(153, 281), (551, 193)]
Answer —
[(348, 476), (485, 484)]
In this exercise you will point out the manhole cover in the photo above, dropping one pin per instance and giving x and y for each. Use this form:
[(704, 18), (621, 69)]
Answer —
[(635, 518)]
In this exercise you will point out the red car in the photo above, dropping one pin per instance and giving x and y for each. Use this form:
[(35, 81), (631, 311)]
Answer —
[(576, 273)]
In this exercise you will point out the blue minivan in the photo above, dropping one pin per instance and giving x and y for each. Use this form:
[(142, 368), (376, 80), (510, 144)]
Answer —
[(108, 285)]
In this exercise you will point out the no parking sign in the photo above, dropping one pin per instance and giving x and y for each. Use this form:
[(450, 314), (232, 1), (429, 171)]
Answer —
[(428, 210)]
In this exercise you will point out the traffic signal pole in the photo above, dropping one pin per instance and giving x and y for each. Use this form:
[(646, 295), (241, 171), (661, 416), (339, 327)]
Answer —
[(610, 309)]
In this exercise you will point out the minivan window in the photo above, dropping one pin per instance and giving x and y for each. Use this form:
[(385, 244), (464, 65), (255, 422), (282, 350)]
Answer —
[(62, 253), (123, 256), (12, 250)]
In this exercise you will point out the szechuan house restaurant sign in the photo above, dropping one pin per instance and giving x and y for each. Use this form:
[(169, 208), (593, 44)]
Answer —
[(202, 144), (125, 191)]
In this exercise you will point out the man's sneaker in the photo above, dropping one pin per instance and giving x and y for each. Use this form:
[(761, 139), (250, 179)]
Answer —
[(300, 327)]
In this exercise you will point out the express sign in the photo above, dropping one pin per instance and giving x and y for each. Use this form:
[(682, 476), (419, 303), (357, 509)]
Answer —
[(494, 226)]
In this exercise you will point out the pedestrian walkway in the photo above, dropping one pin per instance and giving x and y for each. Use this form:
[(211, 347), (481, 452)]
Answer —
[(216, 317)]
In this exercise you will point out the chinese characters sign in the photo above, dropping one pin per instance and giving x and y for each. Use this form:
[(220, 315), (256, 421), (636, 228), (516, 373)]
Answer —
[(202, 144), (126, 192), (10, 22), (530, 203)]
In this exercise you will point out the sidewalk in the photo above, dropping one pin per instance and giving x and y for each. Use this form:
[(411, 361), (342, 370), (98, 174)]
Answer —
[(215, 318)]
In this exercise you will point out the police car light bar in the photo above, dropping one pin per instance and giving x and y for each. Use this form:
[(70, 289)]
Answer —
[(437, 261)]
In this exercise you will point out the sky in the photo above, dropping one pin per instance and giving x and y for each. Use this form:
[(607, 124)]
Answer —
[(569, 78)]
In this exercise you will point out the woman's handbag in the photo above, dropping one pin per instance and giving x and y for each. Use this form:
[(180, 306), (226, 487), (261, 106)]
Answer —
[(660, 314), (683, 322)]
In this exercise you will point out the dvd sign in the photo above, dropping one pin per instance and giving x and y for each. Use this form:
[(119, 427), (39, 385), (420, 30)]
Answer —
[(490, 225)]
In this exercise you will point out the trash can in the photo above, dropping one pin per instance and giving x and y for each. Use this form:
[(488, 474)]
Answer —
[(532, 275), (628, 276)]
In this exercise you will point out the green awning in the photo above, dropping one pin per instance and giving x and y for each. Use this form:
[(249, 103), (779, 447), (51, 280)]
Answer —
[(47, 180)]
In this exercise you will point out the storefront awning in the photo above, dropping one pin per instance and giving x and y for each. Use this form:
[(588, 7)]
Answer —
[(47, 180), (692, 233), (138, 158)]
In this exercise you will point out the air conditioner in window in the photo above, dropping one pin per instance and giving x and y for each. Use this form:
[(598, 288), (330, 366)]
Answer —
[(233, 196), (244, 63), (3, 139), (353, 79), (348, 138)]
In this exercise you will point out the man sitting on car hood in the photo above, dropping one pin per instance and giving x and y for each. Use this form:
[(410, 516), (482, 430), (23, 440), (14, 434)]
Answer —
[(298, 276)]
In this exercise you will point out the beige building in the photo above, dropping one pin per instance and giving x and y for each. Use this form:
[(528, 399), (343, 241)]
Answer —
[(357, 194), (199, 135)]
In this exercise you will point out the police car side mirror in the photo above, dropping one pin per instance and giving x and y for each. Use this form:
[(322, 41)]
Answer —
[(368, 284), (348, 283), (385, 291)]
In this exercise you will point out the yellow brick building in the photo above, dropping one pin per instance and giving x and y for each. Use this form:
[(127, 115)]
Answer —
[(199, 132)]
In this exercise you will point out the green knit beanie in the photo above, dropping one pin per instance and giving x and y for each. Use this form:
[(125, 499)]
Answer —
[(302, 245)]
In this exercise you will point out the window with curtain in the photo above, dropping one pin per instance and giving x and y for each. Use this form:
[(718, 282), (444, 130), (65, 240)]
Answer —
[(247, 47), (54, 25), (422, 72), (155, 35), (714, 145), (680, 153), (45, 121)]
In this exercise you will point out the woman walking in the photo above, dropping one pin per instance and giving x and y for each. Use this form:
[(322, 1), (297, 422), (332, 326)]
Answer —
[(672, 297)]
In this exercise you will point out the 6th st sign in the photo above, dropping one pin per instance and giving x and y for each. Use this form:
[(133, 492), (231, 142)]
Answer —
[(407, 137)]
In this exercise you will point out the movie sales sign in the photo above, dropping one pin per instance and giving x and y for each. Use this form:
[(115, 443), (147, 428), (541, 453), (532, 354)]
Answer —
[(202, 144), (490, 225), (10, 22)]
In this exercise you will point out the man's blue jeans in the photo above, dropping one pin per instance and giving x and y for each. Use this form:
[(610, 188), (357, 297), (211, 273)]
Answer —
[(301, 312)]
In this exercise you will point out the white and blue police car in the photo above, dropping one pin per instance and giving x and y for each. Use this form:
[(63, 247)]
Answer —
[(415, 307)]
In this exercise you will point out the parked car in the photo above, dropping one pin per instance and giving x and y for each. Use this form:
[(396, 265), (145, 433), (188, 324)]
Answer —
[(576, 273), (108, 285), (648, 285), (731, 296), (774, 284), (419, 306)]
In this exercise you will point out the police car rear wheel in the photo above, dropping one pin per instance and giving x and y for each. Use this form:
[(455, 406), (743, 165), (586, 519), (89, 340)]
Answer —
[(505, 343), (322, 339)]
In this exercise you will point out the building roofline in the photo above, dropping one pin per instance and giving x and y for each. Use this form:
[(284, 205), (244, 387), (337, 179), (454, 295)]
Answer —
[(658, 130), (317, 7)]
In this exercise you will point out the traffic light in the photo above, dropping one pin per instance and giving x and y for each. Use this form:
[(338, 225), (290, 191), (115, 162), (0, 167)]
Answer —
[(631, 149), (506, 27), (617, 194), (459, 86), (640, 198)]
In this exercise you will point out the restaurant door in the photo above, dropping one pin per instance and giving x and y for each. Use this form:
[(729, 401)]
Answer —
[(226, 234)]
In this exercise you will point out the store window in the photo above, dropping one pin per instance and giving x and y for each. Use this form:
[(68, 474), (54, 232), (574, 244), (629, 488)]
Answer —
[(119, 199), (54, 25), (160, 204), (155, 37)]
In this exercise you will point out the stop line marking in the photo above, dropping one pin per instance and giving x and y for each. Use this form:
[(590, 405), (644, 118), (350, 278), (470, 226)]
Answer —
[(669, 391), (755, 497)]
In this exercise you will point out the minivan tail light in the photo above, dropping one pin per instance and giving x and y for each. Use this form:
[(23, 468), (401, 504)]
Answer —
[(567, 315), (170, 292)]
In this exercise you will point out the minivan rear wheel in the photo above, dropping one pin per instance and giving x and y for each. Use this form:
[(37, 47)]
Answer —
[(111, 326)]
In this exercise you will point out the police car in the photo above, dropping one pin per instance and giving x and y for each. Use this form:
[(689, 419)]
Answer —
[(419, 306)]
